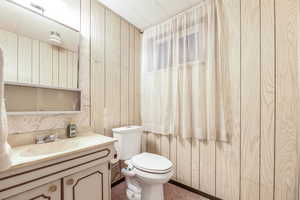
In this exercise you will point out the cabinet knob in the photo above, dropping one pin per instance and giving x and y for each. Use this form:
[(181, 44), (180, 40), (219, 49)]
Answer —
[(70, 181), (53, 188)]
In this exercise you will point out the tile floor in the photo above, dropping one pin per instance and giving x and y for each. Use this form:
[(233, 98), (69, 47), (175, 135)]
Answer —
[(172, 192)]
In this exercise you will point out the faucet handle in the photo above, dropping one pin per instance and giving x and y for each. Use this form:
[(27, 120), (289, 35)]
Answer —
[(51, 138), (39, 139)]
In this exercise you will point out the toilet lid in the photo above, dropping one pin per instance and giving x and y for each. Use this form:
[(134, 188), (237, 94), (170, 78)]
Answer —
[(151, 163)]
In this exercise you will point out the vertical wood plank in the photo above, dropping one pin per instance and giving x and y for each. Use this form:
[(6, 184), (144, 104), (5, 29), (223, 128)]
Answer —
[(124, 73), (151, 143), (173, 154), (207, 167), (228, 154), (286, 100), (112, 72), (35, 62), (137, 67), (250, 99), (70, 68), (9, 46), (267, 100), (98, 65), (196, 164), (85, 57), (45, 64), (131, 73), (24, 59), (144, 142), (184, 156), (55, 66), (63, 68), (165, 146)]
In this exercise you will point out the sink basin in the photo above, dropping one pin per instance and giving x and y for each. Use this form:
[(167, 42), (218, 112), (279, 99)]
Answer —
[(49, 148)]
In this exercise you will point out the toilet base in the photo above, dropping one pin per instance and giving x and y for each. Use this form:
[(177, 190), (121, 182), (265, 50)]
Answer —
[(142, 191), (150, 192)]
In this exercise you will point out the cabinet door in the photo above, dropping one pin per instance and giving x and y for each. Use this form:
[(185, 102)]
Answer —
[(91, 184), (51, 191)]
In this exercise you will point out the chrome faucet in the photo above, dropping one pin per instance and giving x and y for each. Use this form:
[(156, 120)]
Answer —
[(40, 139)]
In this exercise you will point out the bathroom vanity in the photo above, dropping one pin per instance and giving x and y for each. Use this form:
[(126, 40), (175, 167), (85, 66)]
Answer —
[(68, 169)]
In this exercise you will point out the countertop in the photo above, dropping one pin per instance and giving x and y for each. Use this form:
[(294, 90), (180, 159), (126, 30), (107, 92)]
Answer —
[(29, 155)]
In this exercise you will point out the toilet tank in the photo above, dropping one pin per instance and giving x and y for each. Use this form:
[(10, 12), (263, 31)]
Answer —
[(129, 141)]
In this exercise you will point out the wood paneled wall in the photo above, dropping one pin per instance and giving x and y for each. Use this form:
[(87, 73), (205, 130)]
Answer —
[(259, 43), (115, 67)]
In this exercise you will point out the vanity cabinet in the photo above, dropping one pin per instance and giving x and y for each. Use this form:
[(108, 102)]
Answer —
[(93, 183), (77, 176), (45, 192)]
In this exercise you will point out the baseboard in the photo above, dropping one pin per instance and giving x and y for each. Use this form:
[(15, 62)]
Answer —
[(118, 182), (203, 194)]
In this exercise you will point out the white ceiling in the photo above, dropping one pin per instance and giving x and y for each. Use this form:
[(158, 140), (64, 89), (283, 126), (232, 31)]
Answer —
[(145, 13)]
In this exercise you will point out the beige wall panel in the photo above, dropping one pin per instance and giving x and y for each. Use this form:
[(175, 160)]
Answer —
[(184, 156), (97, 65), (173, 154), (70, 69), (286, 100), (35, 62), (196, 164), (165, 145), (250, 99), (124, 73), (55, 65), (131, 73), (24, 59), (63, 68), (137, 82), (207, 167), (157, 143), (144, 142), (151, 143), (9, 45), (228, 154), (45, 64), (267, 100), (112, 72), (84, 71)]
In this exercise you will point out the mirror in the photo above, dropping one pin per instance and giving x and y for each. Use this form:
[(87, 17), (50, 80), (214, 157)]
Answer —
[(39, 48)]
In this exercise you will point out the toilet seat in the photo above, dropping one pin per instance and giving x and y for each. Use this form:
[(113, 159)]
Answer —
[(151, 163)]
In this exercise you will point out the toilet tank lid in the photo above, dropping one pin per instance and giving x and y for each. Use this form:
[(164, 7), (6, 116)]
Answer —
[(127, 129)]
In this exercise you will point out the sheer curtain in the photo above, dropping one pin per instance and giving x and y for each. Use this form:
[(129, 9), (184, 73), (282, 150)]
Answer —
[(181, 91)]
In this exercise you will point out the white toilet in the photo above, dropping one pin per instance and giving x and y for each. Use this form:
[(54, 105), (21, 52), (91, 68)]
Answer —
[(146, 173)]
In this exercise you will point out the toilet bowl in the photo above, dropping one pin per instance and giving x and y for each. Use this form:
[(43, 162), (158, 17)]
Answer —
[(145, 172), (145, 175)]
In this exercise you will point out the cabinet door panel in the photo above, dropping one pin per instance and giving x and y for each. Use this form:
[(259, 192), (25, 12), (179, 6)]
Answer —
[(93, 182), (51, 191)]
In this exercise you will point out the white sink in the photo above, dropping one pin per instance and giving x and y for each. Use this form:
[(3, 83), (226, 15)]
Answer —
[(48, 148)]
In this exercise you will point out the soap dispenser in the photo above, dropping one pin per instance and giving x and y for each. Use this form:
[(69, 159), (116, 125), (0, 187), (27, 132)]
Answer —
[(71, 132)]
